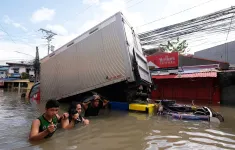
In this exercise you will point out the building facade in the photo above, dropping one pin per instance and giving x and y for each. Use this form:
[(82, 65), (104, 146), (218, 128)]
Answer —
[(3, 71), (16, 69), (186, 78), (224, 52)]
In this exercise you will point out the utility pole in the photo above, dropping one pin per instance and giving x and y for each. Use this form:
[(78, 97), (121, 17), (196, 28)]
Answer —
[(36, 65), (48, 37)]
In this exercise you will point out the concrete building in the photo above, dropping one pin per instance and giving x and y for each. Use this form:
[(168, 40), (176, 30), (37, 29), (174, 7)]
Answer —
[(186, 78), (224, 52), (16, 69), (3, 71)]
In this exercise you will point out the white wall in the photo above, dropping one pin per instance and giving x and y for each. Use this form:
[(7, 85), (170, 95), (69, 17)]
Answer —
[(10, 70), (31, 73), (21, 69)]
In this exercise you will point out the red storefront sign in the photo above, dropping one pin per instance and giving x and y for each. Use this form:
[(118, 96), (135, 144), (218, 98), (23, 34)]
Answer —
[(163, 60)]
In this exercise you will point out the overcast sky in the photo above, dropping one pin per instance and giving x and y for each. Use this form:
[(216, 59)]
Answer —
[(20, 20)]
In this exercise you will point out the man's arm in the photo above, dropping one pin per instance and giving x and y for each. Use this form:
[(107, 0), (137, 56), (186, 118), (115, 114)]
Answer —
[(85, 121), (34, 133), (71, 124), (63, 120), (85, 105), (105, 102)]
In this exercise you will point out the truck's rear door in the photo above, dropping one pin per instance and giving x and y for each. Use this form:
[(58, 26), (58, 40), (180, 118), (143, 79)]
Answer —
[(136, 53)]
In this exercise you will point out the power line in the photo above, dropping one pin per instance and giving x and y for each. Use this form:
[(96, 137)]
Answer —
[(129, 1), (134, 4), (226, 45), (23, 53), (4, 30), (14, 60), (217, 22), (176, 13), (7, 34), (98, 5), (200, 33), (48, 37), (85, 9)]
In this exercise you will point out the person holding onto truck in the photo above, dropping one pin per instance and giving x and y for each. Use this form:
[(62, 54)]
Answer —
[(93, 107), (75, 116), (45, 126)]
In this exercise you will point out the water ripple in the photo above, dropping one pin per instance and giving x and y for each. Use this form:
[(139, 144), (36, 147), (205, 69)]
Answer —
[(209, 141), (208, 136), (219, 132)]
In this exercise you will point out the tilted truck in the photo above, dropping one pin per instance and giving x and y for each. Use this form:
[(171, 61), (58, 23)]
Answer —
[(107, 59)]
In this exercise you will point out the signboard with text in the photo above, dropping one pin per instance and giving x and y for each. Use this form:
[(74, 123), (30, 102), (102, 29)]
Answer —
[(163, 60)]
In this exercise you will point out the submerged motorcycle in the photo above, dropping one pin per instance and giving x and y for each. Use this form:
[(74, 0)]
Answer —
[(186, 112)]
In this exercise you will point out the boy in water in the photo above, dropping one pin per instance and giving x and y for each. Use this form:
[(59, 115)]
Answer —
[(92, 108), (46, 125)]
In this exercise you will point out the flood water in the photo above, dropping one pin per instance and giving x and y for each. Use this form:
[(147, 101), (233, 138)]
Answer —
[(114, 130)]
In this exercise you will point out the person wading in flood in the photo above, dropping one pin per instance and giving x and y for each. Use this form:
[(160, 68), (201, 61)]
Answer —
[(75, 117), (46, 125), (93, 107)]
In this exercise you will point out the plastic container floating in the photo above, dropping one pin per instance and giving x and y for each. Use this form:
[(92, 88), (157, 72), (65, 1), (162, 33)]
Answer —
[(149, 108)]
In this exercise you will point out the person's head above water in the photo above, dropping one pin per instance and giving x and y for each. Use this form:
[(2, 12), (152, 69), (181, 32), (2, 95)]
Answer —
[(96, 101), (75, 106), (79, 108), (52, 107)]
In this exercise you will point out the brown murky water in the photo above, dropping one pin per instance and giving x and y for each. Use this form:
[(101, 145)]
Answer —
[(114, 130)]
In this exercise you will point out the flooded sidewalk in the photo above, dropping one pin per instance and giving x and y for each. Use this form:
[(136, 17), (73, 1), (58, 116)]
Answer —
[(114, 130)]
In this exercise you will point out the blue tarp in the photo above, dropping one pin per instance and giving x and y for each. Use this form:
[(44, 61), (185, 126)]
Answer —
[(15, 75)]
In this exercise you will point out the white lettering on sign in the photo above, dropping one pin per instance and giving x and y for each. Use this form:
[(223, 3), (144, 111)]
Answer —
[(167, 60)]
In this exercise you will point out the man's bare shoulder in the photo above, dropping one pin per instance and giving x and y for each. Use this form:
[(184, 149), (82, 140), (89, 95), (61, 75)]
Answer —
[(36, 122)]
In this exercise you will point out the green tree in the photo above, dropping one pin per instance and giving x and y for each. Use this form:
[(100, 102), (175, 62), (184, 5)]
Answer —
[(24, 75), (175, 46)]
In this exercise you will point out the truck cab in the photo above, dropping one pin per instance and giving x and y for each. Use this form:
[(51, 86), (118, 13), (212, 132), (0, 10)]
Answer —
[(34, 94)]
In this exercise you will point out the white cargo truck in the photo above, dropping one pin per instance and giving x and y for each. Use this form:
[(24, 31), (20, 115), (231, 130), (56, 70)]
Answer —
[(107, 59)]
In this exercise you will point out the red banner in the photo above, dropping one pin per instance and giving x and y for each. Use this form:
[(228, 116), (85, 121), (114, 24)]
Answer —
[(163, 60)]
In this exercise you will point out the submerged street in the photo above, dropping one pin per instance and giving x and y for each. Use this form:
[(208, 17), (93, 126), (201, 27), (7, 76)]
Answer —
[(114, 130)]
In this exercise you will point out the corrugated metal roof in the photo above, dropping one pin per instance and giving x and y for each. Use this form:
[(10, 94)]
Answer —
[(191, 75), (188, 70)]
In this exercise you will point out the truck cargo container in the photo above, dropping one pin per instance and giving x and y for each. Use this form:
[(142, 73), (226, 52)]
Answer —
[(107, 59)]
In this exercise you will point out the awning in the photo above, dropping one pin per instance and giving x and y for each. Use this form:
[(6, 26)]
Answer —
[(191, 75)]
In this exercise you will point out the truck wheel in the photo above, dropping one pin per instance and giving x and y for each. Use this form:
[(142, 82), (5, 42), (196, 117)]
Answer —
[(130, 96)]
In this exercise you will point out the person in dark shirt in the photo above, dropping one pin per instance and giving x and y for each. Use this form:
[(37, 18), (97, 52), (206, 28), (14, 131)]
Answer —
[(93, 107), (75, 117)]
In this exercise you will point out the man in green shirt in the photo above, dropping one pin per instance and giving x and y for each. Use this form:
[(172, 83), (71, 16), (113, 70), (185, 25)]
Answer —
[(46, 125)]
